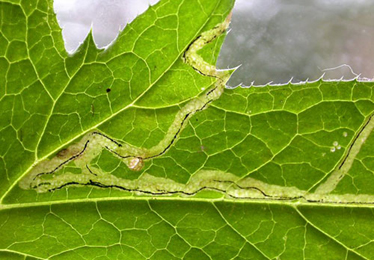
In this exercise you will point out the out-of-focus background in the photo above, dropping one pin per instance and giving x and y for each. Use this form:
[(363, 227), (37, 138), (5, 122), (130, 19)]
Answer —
[(105, 17), (273, 40)]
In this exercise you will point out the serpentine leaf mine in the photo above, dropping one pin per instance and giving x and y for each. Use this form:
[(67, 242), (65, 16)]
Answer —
[(76, 165)]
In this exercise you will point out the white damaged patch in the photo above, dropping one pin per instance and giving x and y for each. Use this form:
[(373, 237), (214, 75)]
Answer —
[(55, 173)]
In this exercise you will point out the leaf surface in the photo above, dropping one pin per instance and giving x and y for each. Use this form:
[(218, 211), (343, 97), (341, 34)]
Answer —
[(274, 172)]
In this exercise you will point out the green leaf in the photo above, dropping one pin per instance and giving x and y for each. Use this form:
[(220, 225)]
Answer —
[(138, 152)]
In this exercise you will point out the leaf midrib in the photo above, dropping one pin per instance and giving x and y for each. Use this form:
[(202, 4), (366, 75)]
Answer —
[(295, 203)]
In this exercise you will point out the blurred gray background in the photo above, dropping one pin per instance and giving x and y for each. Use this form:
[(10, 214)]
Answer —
[(273, 40)]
